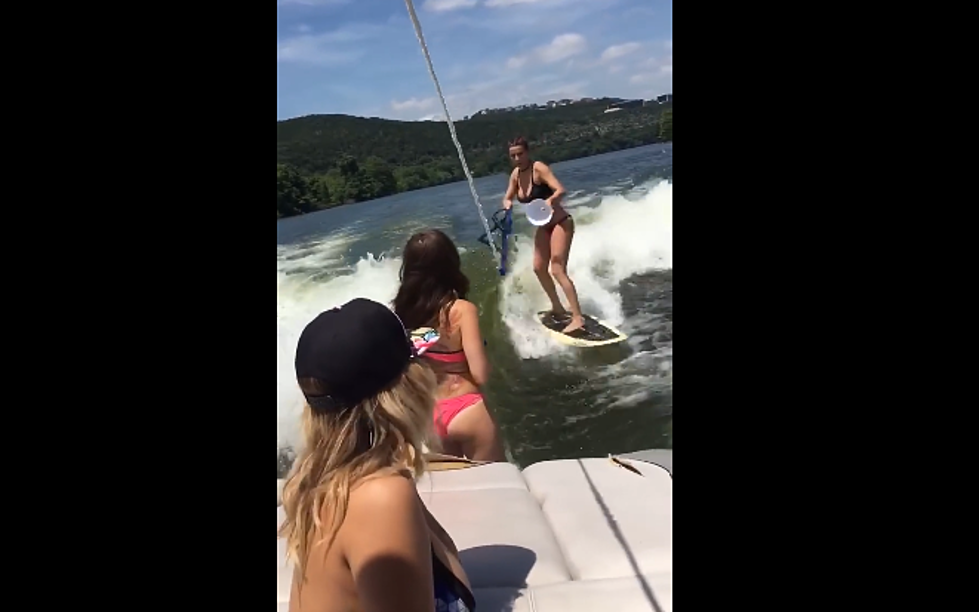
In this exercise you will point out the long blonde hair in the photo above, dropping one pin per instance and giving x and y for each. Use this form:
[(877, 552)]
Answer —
[(384, 432)]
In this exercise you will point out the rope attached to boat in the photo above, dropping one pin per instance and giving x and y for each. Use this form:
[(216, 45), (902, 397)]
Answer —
[(452, 129)]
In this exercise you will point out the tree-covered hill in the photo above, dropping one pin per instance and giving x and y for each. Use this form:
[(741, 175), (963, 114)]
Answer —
[(328, 160)]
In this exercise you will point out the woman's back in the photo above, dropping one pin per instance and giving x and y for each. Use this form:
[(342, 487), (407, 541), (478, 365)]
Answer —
[(448, 357)]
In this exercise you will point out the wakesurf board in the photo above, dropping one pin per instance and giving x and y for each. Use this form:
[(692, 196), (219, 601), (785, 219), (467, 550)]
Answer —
[(594, 332)]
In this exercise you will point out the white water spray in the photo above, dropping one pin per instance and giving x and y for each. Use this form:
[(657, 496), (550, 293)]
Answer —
[(617, 238)]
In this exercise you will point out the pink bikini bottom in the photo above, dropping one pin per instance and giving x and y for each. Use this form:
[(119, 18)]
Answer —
[(447, 409)]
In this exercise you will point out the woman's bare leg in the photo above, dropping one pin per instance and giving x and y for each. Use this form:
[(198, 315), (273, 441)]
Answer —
[(561, 237), (542, 253)]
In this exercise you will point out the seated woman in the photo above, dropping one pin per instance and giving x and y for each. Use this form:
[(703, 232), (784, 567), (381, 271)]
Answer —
[(433, 295), (359, 535)]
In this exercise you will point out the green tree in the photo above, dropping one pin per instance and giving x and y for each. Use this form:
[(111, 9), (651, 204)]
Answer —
[(341, 159), (319, 189), (348, 166), (293, 195), (378, 179), (411, 177), (666, 125), (339, 187)]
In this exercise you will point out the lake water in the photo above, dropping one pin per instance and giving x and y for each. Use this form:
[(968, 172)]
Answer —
[(551, 401)]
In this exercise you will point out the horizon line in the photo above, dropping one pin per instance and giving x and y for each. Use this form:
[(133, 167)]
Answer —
[(441, 119)]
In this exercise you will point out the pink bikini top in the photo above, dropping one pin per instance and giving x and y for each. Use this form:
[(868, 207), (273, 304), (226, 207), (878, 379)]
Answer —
[(449, 357), (424, 338)]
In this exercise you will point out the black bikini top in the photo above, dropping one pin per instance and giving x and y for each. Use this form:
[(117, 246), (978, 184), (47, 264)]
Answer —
[(538, 191)]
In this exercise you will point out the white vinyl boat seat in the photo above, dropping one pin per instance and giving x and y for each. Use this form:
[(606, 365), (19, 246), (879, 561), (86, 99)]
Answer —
[(562, 536)]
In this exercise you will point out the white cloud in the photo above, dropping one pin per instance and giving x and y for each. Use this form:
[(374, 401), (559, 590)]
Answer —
[(307, 49), (659, 62), (542, 3), (656, 67), (499, 3), (637, 12), (564, 46), (326, 48), (310, 2), (510, 90), (617, 51), (662, 71), (437, 6), (534, 18), (414, 105)]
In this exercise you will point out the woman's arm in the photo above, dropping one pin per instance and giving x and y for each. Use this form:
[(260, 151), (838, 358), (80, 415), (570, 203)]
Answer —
[(388, 547), (511, 191), (472, 342), (544, 172)]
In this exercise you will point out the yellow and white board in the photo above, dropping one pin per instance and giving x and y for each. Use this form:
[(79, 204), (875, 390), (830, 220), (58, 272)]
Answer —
[(594, 332)]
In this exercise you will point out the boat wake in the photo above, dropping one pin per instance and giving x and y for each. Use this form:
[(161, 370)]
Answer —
[(621, 262)]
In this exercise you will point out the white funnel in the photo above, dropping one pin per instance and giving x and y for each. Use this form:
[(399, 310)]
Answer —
[(538, 212)]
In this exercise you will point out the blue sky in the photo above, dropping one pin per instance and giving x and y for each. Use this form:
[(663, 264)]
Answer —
[(361, 57)]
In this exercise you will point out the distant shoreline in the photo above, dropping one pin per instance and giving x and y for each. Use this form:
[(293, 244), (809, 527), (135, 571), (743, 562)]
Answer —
[(325, 161), (488, 113), (462, 180)]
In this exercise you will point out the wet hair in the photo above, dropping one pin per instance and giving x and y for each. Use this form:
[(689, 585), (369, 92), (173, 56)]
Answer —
[(431, 280), (383, 433), (519, 141)]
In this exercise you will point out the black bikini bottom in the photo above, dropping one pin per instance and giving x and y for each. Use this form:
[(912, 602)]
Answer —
[(552, 224)]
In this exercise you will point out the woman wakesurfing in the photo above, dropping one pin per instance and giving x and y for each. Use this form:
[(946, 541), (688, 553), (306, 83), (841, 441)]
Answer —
[(531, 180)]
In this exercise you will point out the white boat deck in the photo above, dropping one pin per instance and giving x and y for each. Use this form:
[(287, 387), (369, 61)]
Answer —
[(576, 535)]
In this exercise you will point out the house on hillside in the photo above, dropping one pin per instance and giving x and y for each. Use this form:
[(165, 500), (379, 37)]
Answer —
[(624, 105), (664, 98)]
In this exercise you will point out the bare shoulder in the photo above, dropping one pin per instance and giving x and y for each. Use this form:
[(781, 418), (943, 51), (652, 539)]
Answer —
[(387, 546), (390, 492), (463, 309), (541, 166)]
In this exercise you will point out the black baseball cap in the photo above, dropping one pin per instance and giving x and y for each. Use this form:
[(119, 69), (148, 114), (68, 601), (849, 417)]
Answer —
[(356, 351)]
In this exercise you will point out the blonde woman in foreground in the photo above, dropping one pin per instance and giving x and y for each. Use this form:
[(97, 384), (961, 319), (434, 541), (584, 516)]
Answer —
[(360, 537)]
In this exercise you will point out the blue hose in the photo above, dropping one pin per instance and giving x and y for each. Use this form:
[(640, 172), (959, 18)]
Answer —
[(507, 229)]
